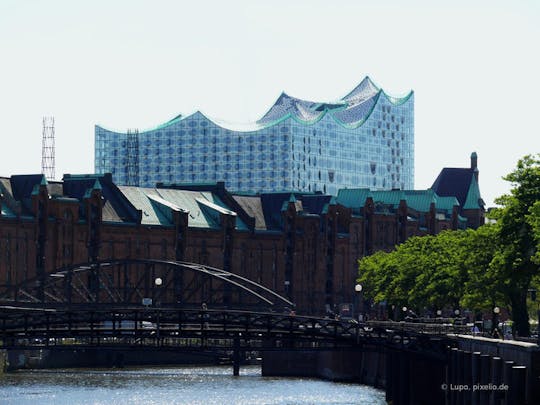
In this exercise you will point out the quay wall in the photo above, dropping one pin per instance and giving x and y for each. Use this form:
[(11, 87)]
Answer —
[(474, 370), (101, 357)]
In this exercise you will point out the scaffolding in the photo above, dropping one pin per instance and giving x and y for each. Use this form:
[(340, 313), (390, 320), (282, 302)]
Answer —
[(132, 165), (47, 149)]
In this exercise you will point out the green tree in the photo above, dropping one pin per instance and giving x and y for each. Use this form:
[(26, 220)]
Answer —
[(534, 220), (483, 287), (432, 271), (516, 261)]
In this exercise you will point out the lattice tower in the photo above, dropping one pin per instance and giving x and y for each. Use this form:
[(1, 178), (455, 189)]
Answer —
[(132, 166), (47, 149)]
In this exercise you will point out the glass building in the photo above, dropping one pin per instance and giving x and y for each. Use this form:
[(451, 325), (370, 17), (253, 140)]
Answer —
[(363, 140)]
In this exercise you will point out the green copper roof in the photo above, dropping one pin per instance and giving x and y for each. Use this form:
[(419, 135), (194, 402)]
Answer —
[(164, 207), (352, 197), (390, 197), (447, 203), (204, 208), (473, 200), (139, 198), (419, 200)]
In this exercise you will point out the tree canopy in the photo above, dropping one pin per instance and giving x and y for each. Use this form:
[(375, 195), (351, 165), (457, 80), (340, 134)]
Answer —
[(475, 269)]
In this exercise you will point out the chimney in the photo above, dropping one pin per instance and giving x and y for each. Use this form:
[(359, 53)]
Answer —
[(474, 164)]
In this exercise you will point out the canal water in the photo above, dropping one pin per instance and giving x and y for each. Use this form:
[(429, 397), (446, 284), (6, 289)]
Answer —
[(175, 385)]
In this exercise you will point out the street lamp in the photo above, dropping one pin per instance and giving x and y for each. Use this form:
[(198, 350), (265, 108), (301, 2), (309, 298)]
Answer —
[(359, 301), (404, 309), (158, 281), (456, 320), (496, 311), (439, 313)]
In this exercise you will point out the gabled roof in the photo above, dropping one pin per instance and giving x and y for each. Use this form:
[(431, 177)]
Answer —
[(22, 187), (315, 204), (204, 207), (473, 200), (252, 205), (418, 200), (273, 204), (353, 197), (116, 208), (460, 183), (140, 198)]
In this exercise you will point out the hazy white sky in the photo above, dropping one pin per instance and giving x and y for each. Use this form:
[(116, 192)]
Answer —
[(474, 67)]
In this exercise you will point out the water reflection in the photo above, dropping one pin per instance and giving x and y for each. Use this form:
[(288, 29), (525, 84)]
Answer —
[(182, 385)]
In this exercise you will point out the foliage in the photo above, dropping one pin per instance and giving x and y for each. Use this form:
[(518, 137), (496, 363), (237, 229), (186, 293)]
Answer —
[(477, 269), (433, 272), (516, 261), (534, 220)]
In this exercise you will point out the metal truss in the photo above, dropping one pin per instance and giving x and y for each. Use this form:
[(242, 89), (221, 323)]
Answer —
[(144, 282)]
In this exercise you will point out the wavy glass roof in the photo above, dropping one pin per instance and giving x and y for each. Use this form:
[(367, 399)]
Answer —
[(353, 109), (350, 111)]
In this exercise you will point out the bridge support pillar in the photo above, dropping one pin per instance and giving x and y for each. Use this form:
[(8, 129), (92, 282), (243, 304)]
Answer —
[(3, 361), (236, 356)]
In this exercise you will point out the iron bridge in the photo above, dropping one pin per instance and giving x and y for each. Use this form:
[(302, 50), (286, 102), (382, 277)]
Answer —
[(181, 306)]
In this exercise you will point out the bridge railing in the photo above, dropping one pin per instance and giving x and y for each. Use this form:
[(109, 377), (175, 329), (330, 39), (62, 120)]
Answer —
[(160, 326), (436, 328)]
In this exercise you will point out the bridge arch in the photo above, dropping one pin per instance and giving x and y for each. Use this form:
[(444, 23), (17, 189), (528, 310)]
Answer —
[(151, 282)]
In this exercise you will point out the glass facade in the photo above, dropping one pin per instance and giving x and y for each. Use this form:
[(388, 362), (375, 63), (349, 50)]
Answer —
[(364, 140)]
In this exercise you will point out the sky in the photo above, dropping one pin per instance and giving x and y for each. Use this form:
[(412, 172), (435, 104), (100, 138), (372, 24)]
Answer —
[(474, 67)]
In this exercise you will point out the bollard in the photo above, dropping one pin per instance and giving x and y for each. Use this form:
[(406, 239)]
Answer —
[(405, 378), (485, 377), (453, 376), (507, 379), (475, 377), (518, 384), (467, 377), (495, 396), (390, 367), (236, 356), (459, 395)]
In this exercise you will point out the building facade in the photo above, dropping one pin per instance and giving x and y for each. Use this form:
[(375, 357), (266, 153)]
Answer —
[(304, 246), (365, 139)]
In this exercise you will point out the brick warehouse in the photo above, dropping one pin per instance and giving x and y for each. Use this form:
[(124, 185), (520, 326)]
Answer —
[(302, 245)]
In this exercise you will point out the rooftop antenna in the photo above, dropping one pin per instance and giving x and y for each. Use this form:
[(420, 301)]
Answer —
[(47, 148)]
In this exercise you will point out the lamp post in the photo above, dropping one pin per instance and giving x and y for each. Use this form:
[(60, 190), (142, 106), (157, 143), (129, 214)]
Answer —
[(158, 281), (533, 292), (359, 301), (495, 320), (439, 313), (457, 321), (404, 309)]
